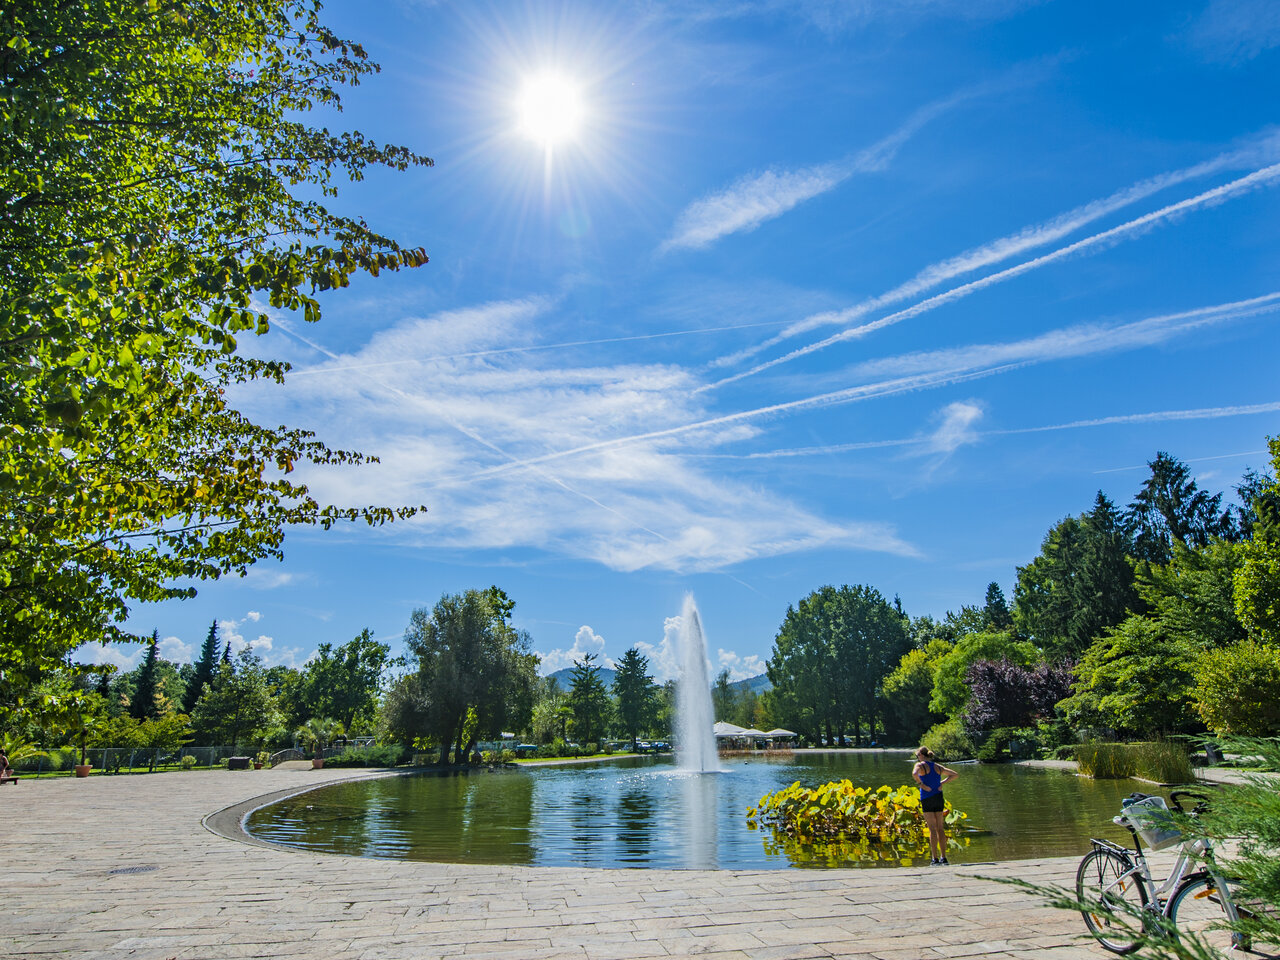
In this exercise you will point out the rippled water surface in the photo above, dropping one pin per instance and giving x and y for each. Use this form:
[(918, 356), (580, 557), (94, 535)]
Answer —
[(644, 813)]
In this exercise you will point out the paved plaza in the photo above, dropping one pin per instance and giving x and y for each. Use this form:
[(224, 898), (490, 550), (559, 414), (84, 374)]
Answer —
[(126, 867)]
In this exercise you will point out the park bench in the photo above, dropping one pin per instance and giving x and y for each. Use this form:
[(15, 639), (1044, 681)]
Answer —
[(8, 778)]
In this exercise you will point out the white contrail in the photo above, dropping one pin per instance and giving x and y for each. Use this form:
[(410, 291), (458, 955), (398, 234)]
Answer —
[(966, 364), (1159, 416), (1265, 149), (1259, 178), (1221, 456), (501, 351)]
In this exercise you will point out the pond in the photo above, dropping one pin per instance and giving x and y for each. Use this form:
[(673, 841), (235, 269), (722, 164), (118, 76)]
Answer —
[(641, 812)]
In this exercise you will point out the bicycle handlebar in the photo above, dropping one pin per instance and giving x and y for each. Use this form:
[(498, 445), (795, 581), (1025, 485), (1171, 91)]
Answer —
[(1202, 801)]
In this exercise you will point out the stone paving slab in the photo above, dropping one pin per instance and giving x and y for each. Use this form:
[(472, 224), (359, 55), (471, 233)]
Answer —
[(193, 894)]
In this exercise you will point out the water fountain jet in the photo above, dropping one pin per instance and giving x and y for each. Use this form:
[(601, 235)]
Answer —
[(695, 719)]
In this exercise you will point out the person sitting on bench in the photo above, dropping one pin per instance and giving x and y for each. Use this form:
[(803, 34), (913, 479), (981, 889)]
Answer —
[(6, 772)]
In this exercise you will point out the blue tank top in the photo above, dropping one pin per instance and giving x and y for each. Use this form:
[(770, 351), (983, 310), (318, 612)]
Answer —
[(931, 781)]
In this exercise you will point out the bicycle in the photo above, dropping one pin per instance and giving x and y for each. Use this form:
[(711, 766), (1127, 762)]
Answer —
[(1124, 904)]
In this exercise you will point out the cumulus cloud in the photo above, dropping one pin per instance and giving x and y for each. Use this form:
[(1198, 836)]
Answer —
[(105, 653), (585, 641), (175, 649), (739, 667)]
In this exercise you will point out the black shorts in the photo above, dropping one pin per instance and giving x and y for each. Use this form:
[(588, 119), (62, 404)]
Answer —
[(934, 803)]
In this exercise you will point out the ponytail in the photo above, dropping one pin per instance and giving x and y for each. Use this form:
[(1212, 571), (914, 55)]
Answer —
[(924, 753)]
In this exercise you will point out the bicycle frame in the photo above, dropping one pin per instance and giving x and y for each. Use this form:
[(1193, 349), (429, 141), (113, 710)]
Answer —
[(1195, 856)]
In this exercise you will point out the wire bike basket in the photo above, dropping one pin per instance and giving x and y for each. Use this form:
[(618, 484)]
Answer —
[(1152, 820)]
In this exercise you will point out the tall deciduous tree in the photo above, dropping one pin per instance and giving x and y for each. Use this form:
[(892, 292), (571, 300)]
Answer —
[(344, 683), (951, 672), (1257, 583), (724, 699), (237, 706), (469, 659), (1135, 680), (160, 187), (636, 694), (908, 689), (829, 658), (588, 700)]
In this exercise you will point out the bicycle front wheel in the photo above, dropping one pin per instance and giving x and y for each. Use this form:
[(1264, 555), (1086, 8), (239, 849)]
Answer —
[(1113, 900), (1198, 910)]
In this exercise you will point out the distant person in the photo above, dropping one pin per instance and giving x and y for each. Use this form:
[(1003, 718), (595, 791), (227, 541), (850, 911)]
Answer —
[(5, 772), (931, 776)]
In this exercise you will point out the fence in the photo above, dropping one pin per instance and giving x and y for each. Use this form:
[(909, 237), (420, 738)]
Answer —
[(149, 759)]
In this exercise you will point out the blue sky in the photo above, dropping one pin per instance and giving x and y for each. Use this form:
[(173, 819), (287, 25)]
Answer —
[(865, 292)]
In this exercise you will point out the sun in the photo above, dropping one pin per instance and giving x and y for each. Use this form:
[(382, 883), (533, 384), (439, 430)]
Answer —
[(550, 110)]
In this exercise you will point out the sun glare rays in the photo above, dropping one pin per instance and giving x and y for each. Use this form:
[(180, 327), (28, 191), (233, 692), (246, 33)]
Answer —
[(550, 110)]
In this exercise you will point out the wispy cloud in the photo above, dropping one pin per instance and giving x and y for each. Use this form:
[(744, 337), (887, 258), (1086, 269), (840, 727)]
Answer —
[(840, 16), (1233, 31), (1259, 179), (756, 199), (444, 440), (929, 369)]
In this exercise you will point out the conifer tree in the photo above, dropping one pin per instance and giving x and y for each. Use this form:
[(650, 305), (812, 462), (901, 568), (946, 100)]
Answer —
[(996, 611), (143, 704), (206, 667)]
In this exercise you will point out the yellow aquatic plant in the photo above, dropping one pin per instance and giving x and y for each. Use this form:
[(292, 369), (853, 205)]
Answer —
[(838, 822)]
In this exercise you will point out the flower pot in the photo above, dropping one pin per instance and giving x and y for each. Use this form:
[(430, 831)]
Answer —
[(317, 763), (82, 769), (257, 765)]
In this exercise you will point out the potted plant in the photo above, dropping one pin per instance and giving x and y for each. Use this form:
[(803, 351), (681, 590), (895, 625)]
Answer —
[(82, 717), (316, 733), (260, 759)]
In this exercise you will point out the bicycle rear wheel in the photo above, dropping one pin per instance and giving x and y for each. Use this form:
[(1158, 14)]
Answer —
[(1197, 909), (1114, 900)]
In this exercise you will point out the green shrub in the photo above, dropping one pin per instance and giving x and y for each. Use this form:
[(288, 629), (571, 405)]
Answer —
[(1105, 761), (64, 758), (188, 762), (1066, 751), (1004, 743), (387, 755), (1161, 761), (948, 740), (1237, 689), (32, 762)]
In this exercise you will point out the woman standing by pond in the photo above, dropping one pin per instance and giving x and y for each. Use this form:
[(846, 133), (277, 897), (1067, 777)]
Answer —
[(931, 776)]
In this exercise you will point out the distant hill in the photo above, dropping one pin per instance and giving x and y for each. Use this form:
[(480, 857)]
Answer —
[(565, 676), (756, 684)]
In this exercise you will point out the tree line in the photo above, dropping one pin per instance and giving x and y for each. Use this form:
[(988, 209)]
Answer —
[(1155, 620)]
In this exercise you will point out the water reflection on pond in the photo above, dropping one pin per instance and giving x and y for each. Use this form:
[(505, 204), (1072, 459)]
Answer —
[(645, 813)]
